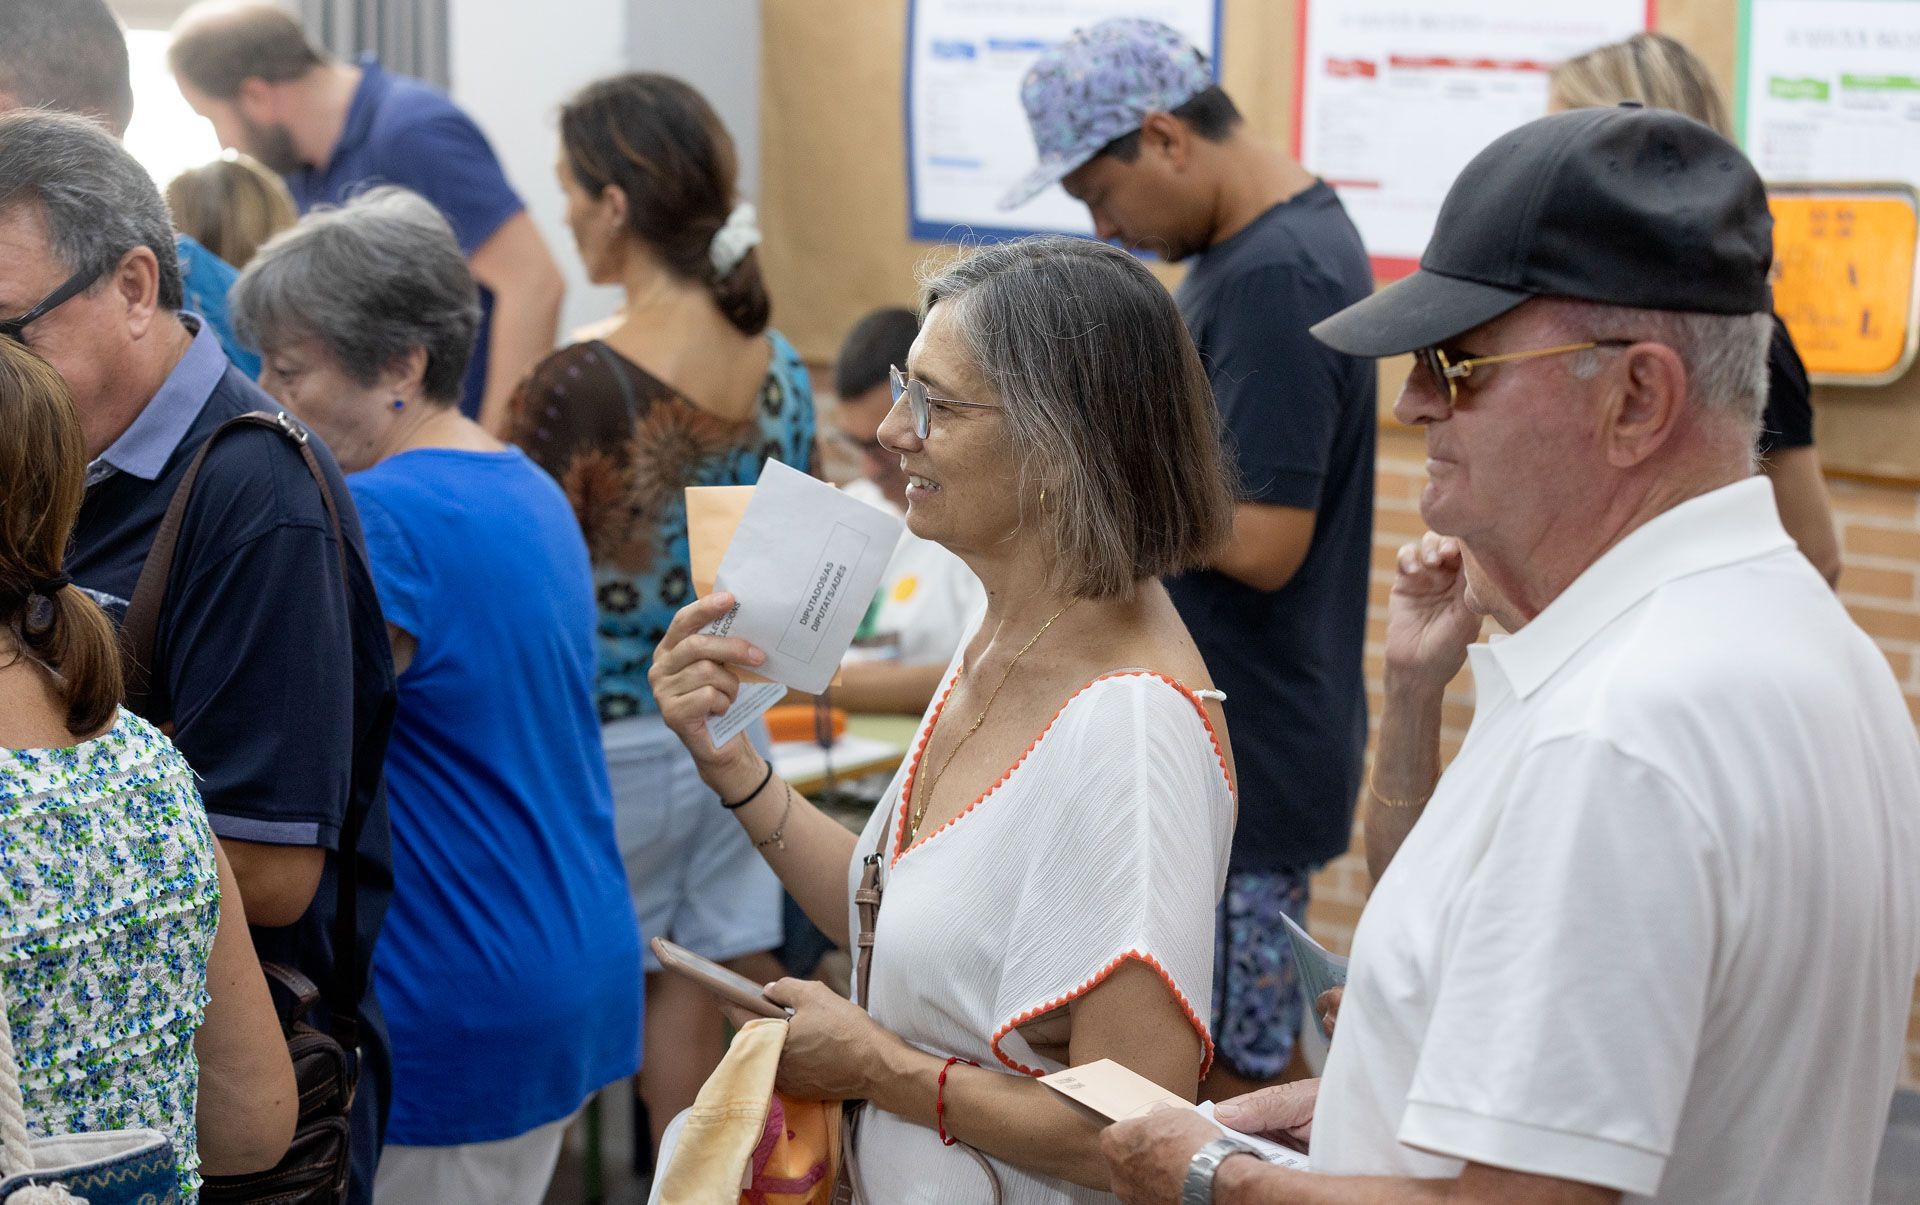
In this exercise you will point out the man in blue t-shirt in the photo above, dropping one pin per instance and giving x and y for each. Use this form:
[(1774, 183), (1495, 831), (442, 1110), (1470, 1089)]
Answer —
[(270, 667), (332, 129), (70, 56), (1127, 117)]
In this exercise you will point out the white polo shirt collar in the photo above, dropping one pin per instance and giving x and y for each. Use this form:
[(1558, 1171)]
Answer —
[(1734, 523)]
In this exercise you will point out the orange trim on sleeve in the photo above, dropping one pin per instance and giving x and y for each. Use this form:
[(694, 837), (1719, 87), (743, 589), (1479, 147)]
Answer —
[(1147, 960), (901, 849)]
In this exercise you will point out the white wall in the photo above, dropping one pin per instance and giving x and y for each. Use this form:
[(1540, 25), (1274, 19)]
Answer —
[(515, 62), (513, 65), (715, 46)]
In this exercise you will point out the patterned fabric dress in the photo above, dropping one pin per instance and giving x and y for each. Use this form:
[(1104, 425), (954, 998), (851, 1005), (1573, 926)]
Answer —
[(112, 897), (624, 445)]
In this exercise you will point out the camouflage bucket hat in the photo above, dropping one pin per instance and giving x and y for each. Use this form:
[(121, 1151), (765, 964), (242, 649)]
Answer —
[(1098, 85)]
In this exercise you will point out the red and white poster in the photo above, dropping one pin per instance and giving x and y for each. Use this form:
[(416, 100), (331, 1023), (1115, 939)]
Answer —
[(1393, 97)]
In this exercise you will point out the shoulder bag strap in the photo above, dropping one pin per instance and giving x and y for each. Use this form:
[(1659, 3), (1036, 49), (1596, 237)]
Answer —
[(866, 901), (139, 630)]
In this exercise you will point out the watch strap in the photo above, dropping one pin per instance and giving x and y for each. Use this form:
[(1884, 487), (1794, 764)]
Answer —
[(1197, 1188)]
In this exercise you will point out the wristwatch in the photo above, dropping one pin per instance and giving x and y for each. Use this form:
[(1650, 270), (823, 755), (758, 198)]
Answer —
[(1197, 1188)]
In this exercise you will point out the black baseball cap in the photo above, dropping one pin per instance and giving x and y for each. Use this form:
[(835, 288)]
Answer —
[(1629, 206)]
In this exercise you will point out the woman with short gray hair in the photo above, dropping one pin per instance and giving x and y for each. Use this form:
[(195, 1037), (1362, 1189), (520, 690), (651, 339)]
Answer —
[(1051, 854), (509, 965)]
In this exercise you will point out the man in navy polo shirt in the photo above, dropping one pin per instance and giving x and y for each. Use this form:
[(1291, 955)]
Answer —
[(274, 673), (332, 129)]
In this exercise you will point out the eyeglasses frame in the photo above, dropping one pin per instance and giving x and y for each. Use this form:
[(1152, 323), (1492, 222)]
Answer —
[(1433, 358), (919, 401), (79, 282)]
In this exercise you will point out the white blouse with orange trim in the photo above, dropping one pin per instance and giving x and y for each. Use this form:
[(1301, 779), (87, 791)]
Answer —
[(1106, 841)]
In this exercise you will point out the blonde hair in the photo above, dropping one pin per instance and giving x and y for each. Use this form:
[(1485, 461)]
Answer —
[(230, 206), (1651, 68)]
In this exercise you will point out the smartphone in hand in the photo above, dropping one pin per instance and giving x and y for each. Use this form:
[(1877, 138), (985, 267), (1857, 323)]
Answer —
[(734, 988)]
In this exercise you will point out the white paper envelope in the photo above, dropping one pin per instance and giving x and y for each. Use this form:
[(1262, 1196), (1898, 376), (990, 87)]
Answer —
[(802, 566)]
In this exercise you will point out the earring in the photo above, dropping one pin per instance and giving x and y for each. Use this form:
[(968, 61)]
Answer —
[(398, 404), (1043, 497)]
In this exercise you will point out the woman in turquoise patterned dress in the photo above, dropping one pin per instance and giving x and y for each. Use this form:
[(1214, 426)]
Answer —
[(127, 973), (687, 386)]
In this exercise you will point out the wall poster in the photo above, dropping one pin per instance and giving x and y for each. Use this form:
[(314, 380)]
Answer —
[(1393, 97)]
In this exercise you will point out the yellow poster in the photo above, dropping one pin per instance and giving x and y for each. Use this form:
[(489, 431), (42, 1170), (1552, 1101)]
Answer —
[(1844, 263)]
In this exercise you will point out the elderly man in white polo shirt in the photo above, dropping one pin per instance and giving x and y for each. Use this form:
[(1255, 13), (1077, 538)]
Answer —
[(1655, 937)]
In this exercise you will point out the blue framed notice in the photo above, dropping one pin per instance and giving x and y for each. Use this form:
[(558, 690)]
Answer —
[(967, 136)]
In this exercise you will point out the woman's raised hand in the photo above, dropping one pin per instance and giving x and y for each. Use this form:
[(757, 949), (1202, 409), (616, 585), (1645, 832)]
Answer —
[(695, 676)]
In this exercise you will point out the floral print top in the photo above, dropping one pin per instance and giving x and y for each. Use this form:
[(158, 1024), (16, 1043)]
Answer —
[(112, 897), (624, 445)]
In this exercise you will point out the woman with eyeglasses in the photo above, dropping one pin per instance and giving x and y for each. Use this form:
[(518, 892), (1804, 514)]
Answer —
[(689, 386), (1050, 855)]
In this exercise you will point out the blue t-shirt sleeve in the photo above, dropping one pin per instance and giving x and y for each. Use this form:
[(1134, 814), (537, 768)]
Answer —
[(398, 577), (1278, 388), (446, 159), (258, 652)]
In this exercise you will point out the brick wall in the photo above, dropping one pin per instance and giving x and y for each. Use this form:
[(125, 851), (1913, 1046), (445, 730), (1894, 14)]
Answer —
[(1880, 537)]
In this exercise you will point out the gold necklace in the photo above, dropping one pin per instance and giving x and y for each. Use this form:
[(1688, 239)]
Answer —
[(925, 797)]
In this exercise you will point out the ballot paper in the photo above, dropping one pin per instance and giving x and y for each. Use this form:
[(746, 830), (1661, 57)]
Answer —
[(802, 566), (1316, 968), (1119, 1093)]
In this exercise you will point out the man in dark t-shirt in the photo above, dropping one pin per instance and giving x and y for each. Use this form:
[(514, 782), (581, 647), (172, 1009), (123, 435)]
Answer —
[(271, 672), (1126, 115)]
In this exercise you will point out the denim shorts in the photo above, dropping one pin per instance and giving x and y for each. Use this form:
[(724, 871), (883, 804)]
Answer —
[(695, 877)]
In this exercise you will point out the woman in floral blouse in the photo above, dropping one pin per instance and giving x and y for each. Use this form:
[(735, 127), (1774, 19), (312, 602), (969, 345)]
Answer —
[(122, 932), (688, 386)]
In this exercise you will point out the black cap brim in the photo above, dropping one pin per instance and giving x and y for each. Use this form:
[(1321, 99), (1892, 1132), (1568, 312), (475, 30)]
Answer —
[(1419, 311)]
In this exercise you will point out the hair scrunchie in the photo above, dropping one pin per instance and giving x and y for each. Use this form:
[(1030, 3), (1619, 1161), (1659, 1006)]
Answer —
[(40, 602), (732, 241)]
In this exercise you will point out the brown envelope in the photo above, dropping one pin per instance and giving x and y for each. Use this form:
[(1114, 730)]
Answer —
[(713, 512), (1113, 1091)]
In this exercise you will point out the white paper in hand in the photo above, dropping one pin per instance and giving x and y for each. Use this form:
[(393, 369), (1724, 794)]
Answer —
[(1317, 969), (802, 567), (1271, 1151)]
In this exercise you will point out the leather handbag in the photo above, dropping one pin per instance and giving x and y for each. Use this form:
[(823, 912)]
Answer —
[(107, 1167), (318, 1161)]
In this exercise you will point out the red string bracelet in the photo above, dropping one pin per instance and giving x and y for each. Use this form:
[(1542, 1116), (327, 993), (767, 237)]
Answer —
[(940, 1100)]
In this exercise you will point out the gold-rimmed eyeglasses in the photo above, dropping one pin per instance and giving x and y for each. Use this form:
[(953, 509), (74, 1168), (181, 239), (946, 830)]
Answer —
[(1450, 372), (920, 402)]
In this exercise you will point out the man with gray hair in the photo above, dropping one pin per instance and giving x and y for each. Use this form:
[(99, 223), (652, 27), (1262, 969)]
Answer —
[(1655, 936), (273, 672)]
